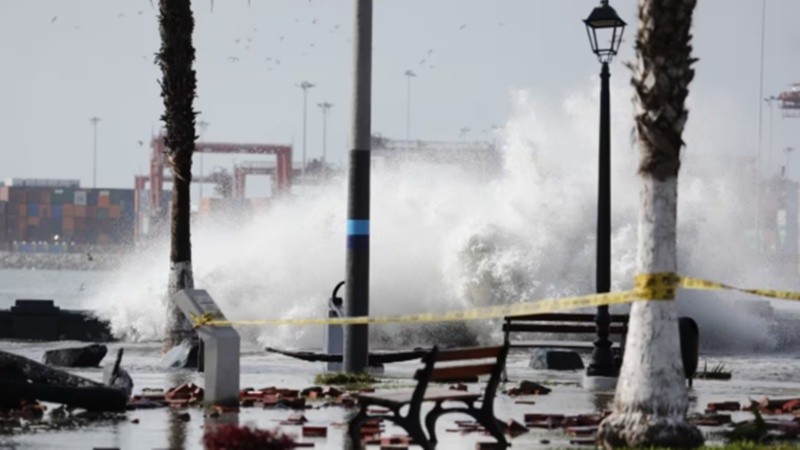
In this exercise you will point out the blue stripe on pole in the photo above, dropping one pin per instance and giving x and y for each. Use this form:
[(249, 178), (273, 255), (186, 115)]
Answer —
[(358, 227)]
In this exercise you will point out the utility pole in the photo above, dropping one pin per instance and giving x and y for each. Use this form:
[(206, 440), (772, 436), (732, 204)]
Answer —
[(305, 86), (325, 107), (788, 151), (94, 121), (409, 75), (356, 296)]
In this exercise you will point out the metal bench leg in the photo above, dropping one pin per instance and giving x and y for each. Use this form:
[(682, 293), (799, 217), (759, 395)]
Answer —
[(430, 421), (492, 424), (354, 427), (414, 428)]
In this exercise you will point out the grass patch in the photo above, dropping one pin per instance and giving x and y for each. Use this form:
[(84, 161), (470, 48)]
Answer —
[(344, 378)]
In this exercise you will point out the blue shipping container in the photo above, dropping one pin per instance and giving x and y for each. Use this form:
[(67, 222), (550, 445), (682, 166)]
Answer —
[(33, 210), (57, 211)]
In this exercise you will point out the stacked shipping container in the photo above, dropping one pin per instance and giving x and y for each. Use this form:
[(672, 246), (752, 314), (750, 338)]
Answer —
[(66, 214)]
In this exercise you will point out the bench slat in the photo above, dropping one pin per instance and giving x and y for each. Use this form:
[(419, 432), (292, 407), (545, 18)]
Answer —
[(550, 328), (565, 317), (469, 353), (402, 397), (461, 372)]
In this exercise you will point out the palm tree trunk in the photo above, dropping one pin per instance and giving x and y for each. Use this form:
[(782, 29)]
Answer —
[(651, 400), (178, 91)]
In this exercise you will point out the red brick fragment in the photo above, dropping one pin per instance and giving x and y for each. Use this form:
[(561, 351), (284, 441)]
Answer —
[(309, 431), (723, 406)]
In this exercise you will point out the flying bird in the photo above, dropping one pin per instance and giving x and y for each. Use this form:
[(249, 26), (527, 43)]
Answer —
[(53, 19), (462, 27), (121, 15), (314, 22), (233, 59), (141, 143), (423, 61), (280, 39), (139, 13), (237, 40), (430, 52)]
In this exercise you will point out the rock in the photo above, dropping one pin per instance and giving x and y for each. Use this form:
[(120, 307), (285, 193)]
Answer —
[(89, 356), (185, 355), (548, 359)]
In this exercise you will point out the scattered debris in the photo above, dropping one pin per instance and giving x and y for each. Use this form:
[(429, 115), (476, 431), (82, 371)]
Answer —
[(116, 377), (723, 406), (528, 388), (311, 431), (717, 372), (222, 437), (23, 378)]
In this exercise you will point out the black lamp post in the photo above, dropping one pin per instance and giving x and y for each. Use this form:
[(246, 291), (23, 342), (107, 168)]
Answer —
[(604, 28)]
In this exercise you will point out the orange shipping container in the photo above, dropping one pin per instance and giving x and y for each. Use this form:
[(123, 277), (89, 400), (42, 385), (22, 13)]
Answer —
[(69, 224), (114, 212), (80, 210), (33, 221), (44, 211), (23, 225), (68, 210), (23, 210)]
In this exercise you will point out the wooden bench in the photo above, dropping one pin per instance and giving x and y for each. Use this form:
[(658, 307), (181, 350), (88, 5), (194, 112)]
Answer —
[(433, 371), (562, 323)]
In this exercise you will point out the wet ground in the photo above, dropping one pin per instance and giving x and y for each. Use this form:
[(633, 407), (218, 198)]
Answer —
[(776, 376)]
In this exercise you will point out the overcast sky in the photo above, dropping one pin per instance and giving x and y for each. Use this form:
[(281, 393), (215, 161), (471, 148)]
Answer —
[(65, 61)]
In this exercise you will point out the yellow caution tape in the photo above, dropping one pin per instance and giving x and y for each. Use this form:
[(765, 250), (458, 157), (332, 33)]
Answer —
[(486, 312), (701, 284), (653, 286)]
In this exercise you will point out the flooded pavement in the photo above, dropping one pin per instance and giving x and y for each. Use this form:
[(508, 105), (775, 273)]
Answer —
[(775, 376)]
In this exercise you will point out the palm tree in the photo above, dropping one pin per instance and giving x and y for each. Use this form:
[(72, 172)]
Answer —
[(178, 84), (651, 402)]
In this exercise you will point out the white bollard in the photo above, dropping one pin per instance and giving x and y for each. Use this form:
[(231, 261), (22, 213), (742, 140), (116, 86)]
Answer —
[(220, 347)]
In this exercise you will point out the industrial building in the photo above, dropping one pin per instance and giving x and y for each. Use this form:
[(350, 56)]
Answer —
[(47, 215)]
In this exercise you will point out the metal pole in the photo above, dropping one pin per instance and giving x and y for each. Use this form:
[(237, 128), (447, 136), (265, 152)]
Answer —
[(305, 86), (759, 144), (602, 362), (409, 75), (356, 337), (325, 106), (305, 103), (769, 100), (94, 121)]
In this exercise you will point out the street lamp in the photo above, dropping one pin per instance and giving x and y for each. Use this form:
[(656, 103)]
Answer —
[(604, 28), (94, 121), (305, 86), (325, 107)]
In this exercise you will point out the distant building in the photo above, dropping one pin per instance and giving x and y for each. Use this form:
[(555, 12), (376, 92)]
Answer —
[(61, 212)]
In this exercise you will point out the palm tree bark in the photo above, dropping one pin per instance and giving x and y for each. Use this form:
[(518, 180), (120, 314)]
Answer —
[(651, 400), (178, 91)]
